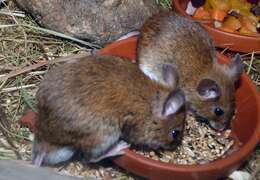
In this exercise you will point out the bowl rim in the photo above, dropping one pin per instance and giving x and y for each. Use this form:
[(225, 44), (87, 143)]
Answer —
[(176, 4), (234, 158)]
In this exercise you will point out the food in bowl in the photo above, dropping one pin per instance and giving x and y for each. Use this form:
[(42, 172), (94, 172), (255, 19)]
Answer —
[(235, 16), (200, 145)]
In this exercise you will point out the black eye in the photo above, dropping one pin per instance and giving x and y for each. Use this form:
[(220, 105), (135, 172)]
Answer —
[(219, 111), (175, 134)]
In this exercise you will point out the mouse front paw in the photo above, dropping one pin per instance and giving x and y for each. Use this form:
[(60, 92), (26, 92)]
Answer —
[(116, 150)]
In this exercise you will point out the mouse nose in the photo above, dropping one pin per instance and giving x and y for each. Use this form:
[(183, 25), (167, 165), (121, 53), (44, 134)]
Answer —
[(218, 126), (226, 125)]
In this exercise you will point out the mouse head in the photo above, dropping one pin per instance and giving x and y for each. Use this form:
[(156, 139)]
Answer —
[(214, 102), (163, 129)]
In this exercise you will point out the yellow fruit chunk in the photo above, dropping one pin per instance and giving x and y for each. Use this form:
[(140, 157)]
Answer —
[(247, 23), (240, 5), (245, 31), (231, 23), (223, 5)]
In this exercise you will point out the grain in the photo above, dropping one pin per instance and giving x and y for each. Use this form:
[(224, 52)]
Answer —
[(200, 145)]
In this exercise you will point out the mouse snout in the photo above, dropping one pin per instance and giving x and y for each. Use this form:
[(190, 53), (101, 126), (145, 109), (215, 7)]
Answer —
[(218, 126)]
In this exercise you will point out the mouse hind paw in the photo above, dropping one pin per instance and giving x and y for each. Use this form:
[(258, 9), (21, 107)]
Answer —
[(53, 157)]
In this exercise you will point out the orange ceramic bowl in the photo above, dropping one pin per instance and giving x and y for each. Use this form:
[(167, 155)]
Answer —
[(232, 41), (246, 127)]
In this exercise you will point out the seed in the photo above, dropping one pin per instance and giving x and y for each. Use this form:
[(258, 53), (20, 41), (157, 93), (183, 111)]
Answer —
[(200, 145)]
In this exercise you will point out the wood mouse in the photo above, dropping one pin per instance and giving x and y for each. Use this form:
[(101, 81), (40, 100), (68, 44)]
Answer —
[(209, 87), (93, 103)]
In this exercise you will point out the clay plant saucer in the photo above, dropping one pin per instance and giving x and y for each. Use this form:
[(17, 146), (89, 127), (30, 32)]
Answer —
[(232, 41), (246, 128)]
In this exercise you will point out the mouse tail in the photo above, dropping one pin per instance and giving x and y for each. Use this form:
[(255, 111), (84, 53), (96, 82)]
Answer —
[(38, 159), (38, 152)]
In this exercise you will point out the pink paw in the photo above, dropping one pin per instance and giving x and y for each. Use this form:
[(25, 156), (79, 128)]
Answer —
[(117, 150)]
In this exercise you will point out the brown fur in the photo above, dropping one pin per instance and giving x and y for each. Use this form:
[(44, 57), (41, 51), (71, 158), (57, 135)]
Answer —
[(91, 103), (168, 38)]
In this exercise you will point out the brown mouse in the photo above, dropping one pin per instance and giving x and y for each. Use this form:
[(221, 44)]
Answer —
[(209, 87), (93, 103)]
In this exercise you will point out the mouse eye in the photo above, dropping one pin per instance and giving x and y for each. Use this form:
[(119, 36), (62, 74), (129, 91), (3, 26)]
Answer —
[(218, 111), (175, 133)]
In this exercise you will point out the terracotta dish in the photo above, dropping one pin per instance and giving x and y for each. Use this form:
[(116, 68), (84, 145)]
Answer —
[(246, 128), (232, 41)]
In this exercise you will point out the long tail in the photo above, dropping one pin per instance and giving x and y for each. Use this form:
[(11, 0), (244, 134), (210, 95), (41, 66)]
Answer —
[(38, 159)]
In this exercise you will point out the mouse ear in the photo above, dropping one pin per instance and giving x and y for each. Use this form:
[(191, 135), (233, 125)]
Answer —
[(236, 68), (173, 103), (208, 89), (170, 75)]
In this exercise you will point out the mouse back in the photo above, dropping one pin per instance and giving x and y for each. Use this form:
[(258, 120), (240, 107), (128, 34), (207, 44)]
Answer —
[(169, 38)]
